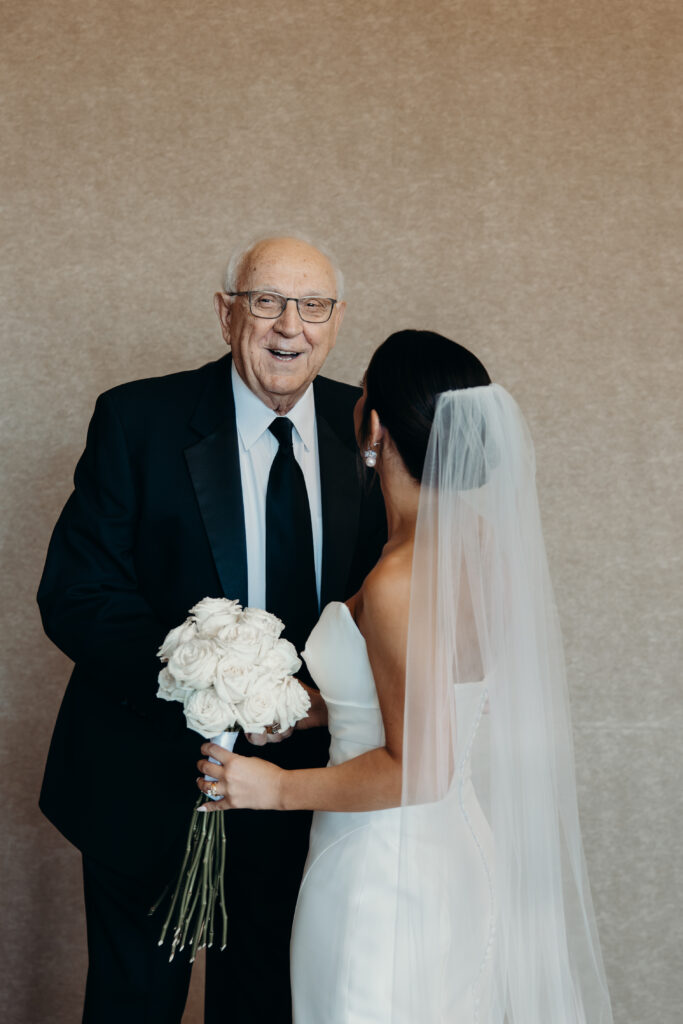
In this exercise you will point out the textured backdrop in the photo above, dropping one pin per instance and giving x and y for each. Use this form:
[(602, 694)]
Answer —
[(504, 171)]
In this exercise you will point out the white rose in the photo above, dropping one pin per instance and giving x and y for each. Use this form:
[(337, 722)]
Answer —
[(265, 622), (267, 643), (170, 688), (233, 678), (282, 660), (214, 613), (226, 633), (250, 639), (248, 632), (244, 655), (293, 703), (194, 663), (207, 714), (181, 634), (246, 643), (258, 709)]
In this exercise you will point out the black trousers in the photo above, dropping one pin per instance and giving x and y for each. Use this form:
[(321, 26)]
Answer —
[(130, 979), (248, 983)]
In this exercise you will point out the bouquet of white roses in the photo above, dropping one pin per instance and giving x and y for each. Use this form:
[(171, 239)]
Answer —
[(232, 671)]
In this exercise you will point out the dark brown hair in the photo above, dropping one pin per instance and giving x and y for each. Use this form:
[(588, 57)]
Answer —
[(403, 380)]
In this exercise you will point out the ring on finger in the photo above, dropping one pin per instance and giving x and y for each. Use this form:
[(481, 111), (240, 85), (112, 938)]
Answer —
[(213, 789)]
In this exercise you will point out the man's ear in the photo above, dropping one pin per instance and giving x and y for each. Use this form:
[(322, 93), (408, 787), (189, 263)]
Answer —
[(339, 311), (222, 303)]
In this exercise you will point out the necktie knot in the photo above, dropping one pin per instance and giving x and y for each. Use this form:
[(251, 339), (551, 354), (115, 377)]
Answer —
[(282, 427)]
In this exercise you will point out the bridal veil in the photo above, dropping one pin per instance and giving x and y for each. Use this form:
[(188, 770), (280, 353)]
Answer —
[(482, 611)]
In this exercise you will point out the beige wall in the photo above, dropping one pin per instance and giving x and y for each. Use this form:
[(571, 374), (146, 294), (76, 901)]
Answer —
[(501, 170)]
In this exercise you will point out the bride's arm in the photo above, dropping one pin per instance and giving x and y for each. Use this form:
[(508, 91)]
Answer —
[(371, 781)]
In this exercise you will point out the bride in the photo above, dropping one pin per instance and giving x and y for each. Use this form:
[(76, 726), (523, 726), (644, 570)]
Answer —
[(445, 880)]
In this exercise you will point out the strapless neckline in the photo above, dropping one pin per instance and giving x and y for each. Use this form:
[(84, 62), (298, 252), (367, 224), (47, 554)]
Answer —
[(337, 658), (347, 610), (349, 614), (327, 620)]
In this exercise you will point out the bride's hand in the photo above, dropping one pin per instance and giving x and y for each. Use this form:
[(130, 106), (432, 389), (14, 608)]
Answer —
[(241, 781)]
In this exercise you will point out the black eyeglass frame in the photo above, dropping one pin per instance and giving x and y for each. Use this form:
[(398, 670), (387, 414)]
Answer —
[(287, 298)]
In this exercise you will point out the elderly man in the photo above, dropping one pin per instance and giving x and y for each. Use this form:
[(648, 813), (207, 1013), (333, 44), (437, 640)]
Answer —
[(185, 490)]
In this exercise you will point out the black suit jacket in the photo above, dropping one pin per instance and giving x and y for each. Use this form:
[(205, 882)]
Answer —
[(155, 523)]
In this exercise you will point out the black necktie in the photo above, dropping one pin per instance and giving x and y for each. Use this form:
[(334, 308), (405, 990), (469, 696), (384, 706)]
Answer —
[(290, 568)]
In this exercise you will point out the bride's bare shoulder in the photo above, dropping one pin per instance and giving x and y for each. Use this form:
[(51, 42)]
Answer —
[(382, 603)]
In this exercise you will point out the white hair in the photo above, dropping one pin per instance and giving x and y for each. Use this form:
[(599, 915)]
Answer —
[(238, 257)]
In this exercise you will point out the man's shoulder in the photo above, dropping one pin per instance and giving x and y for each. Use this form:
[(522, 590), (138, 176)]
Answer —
[(336, 390), (182, 385), (335, 400)]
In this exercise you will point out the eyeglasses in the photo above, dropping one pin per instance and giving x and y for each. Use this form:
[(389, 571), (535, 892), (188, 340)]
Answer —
[(271, 305)]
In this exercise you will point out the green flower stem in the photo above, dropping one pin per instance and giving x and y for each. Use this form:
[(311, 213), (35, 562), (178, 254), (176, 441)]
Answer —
[(221, 883), (189, 900), (181, 873), (186, 923), (200, 885), (218, 868), (200, 921), (215, 865), (207, 889)]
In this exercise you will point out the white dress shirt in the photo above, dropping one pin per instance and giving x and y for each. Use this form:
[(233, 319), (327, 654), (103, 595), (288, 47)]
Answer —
[(257, 449)]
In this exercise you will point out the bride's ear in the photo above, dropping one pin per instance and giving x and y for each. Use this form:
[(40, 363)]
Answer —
[(377, 431)]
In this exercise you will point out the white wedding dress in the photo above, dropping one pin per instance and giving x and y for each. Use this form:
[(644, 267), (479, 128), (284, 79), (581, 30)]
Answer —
[(349, 910)]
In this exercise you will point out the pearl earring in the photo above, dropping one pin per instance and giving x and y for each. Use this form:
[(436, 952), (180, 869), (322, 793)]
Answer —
[(370, 458)]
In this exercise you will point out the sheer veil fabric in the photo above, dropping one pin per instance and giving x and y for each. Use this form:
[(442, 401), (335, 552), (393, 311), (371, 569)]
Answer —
[(486, 709)]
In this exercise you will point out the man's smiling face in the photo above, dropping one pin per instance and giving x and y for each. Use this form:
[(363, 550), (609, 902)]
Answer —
[(277, 359)]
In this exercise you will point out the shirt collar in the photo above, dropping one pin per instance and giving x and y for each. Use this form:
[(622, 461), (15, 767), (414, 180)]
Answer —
[(254, 417)]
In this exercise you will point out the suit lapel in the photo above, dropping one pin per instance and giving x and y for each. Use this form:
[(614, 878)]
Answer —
[(340, 499), (213, 463), (214, 467)]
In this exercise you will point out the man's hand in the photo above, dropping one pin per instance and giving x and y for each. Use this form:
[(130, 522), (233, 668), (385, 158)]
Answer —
[(317, 713), (317, 716), (259, 739)]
